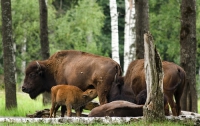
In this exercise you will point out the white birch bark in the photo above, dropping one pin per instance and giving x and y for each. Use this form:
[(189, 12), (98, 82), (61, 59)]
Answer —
[(23, 51), (114, 30), (129, 33)]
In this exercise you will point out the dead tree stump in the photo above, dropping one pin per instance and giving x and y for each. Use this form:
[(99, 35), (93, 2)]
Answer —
[(153, 109)]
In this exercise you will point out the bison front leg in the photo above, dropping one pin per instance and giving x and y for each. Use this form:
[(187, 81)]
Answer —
[(102, 93), (69, 110), (78, 112)]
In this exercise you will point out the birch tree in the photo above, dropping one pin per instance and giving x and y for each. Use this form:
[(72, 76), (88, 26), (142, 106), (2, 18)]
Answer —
[(129, 33), (114, 30)]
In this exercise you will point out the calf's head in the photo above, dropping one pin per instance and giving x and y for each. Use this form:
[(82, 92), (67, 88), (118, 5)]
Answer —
[(34, 78), (89, 94)]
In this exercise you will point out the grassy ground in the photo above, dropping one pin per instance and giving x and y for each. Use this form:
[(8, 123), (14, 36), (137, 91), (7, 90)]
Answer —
[(25, 105), (29, 106)]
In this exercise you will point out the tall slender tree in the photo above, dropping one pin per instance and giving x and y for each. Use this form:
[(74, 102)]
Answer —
[(114, 30), (129, 33), (8, 55), (142, 25), (188, 53), (44, 42)]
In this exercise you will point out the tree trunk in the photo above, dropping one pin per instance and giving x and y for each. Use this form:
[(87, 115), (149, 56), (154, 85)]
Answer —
[(8, 55), (188, 54), (114, 30), (142, 25), (129, 33), (44, 39), (153, 109), (23, 52)]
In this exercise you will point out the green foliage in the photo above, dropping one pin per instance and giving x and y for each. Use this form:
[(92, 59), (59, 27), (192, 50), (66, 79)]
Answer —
[(105, 39), (80, 27), (165, 27)]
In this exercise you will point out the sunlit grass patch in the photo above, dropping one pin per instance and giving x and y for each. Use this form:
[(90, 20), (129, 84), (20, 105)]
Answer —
[(25, 105)]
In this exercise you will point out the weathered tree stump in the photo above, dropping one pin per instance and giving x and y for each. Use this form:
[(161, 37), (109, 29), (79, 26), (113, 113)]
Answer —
[(153, 109)]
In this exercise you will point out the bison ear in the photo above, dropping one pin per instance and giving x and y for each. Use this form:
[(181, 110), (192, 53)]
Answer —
[(91, 91)]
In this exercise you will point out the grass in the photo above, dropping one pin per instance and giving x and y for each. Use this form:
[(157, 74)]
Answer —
[(24, 103), (29, 106)]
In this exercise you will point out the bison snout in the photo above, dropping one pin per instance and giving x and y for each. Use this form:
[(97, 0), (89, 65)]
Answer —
[(25, 89)]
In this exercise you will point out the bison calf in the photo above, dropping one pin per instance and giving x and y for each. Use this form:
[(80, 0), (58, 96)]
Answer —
[(71, 97)]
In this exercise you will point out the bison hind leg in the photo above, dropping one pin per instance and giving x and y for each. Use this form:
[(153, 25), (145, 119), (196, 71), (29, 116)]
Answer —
[(63, 110)]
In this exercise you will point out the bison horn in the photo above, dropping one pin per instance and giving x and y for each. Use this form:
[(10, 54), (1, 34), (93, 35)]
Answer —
[(115, 80), (38, 65)]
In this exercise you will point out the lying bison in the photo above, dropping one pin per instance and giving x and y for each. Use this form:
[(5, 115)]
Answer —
[(117, 109), (116, 93), (77, 68), (71, 97), (141, 99), (173, 82)]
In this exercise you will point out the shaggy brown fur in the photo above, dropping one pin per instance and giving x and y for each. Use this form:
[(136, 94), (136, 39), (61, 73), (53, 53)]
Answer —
[(77, 68), (173, 82), (117, 109), (71, 97)]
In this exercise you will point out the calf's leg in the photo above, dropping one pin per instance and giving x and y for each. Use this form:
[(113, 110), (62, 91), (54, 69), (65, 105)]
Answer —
[(78, 112), (63, 110), (52, 109), (69, 110)]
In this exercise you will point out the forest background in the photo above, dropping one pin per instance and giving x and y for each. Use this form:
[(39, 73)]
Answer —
[(85, 25)]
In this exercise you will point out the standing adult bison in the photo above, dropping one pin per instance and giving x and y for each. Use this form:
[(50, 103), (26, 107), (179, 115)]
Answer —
[(77, 68), (173, 82)]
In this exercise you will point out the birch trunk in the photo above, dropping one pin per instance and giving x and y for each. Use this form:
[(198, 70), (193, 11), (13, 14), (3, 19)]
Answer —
[(114, 30), (154, 107), (129, 33), (23, 51)]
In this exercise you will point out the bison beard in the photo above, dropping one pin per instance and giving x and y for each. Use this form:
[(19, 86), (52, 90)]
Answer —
[(77, 68)]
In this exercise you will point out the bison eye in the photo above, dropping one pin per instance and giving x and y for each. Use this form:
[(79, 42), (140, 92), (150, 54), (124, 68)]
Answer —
[(32, 75)]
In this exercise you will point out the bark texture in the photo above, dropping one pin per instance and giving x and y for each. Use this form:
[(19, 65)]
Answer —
[(153, 109), (142, 25), (8, 55), (114, 30), (129, 33), (44, 42), (188, 54)]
